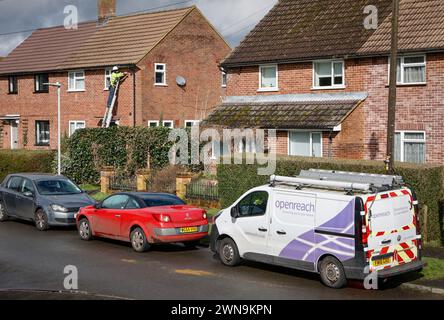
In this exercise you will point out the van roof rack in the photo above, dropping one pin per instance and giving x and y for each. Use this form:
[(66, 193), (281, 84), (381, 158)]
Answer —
[(341, 180)]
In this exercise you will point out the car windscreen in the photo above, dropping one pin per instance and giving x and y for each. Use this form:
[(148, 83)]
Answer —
[(57, 187), (160, 200)]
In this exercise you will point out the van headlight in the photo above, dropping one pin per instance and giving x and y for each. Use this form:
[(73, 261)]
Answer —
[(58, 208)]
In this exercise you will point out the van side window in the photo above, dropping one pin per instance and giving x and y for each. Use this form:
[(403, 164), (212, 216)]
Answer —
[(254, 204)]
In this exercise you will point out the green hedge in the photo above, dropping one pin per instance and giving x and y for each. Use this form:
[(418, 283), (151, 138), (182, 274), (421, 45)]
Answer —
[(124, 148), (427, 181), (25, 161)]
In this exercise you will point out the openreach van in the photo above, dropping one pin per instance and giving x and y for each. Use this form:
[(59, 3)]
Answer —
[(342, 225)]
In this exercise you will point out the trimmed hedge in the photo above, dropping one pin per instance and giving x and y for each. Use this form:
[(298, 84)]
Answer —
[(25, 161), (426, 181), (124, 148)]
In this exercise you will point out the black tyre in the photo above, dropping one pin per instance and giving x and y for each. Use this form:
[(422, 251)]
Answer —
[(3, 214), (41, 220), (228, 252), (332, 273), (139, 241), (85, 231), (192, 244)]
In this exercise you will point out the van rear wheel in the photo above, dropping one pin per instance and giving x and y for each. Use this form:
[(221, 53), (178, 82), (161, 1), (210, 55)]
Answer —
[(228, 252), (332, 273)]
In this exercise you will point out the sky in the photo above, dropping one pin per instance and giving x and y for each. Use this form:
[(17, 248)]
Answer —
[(233, 18)]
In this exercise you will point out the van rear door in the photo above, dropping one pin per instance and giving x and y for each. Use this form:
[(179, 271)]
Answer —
[(391, 228)]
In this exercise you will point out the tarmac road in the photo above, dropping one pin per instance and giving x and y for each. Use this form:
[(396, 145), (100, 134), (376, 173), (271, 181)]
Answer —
[(34, 261)]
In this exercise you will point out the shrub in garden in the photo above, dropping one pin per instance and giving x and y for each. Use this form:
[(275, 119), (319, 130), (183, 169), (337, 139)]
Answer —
[(12, 161)]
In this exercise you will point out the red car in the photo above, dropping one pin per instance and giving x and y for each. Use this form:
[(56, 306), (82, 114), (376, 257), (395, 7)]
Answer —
[(143, 219)]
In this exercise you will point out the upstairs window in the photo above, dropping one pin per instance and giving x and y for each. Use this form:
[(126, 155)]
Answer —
[(224, 79), (107, 78), (13, 85), (42, 133), (268, 78), (76, 81), (329, 74), (411, 70), (160, 74), (410, 147), (39, 83)]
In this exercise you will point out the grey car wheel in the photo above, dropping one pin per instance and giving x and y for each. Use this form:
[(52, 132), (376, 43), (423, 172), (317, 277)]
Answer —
[(85, 231), (332, 273), (41, 220), (139, 241), (228, 253), (3, 215)]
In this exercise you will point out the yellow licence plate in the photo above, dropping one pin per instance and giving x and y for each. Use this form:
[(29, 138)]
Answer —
[(189, 230), (381, 262)]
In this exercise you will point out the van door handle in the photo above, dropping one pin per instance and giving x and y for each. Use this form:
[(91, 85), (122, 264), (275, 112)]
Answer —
[(263, 230), (282, 233), (386, 242)]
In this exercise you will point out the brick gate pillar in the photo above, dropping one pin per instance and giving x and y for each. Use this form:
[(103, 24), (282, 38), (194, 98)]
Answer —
[(182, 180)]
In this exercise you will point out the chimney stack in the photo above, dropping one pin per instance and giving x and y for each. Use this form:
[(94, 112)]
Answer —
[(105, 9)]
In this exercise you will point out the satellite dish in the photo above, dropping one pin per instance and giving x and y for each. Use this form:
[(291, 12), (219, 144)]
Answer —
[(181, 82)]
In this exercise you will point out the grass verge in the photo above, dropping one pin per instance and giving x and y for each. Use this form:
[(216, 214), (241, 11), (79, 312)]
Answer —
[(434, 269)]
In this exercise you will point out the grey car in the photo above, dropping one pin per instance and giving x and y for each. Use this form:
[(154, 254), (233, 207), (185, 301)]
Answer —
[(48, 200)]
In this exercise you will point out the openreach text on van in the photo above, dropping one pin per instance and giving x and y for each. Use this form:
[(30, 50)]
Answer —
[(297, 206)]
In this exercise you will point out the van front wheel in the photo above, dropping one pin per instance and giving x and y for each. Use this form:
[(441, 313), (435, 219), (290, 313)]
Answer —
[(228, 252), (332, 273)]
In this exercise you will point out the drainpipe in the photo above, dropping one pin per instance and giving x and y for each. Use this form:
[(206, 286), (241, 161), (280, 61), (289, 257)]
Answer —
[(134, 97), (330, 145)]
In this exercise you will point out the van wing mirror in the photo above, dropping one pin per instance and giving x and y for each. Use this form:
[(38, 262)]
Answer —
[(235, 212)]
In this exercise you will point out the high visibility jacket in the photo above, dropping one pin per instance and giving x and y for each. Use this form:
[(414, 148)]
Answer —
[(115, 77)]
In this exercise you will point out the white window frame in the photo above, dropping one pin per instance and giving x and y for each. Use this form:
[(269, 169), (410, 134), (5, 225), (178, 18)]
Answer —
[(150, 122), (164, 71), (75, 122), (224, 79), (75, 80), (261, 89), (311, 141), (193, 123), (421, 64), (107, 76), (43, 142), (333, 86), (168, 121), (403, 141)]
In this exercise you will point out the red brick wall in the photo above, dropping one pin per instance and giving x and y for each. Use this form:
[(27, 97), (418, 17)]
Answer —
[(193, 50), (88, 106), (363, 133)]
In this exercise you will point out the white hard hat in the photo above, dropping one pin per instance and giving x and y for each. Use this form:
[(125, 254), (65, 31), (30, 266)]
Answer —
[(116, 68)]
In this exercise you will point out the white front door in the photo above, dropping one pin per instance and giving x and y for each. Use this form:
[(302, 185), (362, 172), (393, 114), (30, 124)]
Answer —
[(14, 135)]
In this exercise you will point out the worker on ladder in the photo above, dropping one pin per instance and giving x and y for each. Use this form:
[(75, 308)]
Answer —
[(116, 76)]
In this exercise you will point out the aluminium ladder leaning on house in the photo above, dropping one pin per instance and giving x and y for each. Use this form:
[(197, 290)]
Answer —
[(107, 118)]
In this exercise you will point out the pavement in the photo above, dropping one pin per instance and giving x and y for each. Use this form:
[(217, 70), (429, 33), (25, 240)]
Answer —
[(32, 266)]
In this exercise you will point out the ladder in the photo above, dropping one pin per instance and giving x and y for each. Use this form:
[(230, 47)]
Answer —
[(110, 110)]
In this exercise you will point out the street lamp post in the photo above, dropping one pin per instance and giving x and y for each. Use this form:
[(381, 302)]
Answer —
[(59, 148)]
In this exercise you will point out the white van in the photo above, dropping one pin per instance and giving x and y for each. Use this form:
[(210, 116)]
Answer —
[(342, 225)]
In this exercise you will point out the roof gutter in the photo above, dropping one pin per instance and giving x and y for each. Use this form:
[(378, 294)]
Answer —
[(339, 56), (24, 73)]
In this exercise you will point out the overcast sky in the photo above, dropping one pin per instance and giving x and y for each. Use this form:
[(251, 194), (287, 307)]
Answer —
[(233, 18)]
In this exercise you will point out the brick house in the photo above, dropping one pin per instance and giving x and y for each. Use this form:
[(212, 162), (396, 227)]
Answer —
[(154, 48), (311, 70)]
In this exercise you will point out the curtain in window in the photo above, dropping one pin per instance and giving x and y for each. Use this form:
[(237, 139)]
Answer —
[(317, 145), (398, 147), (268, 75), (300, 144), (414, 74), (414, 152)]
